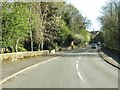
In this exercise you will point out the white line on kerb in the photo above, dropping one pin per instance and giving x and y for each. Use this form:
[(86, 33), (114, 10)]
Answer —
[(80, 76), (4, 80)]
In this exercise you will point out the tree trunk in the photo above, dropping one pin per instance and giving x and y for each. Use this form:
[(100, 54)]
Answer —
[(31, 40), (30, 25), (43, 24), (38, 46), (16, 46), (42, 45)]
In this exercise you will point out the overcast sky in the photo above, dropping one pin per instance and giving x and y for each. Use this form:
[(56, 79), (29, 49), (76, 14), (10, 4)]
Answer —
[(91, 9)]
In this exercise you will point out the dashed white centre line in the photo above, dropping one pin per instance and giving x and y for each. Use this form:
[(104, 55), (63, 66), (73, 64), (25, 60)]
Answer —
[(77, 62), (80, 76), (77, 66)]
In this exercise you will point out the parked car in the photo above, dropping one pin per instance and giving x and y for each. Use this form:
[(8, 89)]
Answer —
[(93, 45)]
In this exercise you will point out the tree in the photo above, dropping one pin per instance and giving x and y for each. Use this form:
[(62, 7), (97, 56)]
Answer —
[(40, 25), (37, 24), (109, 22), (51, 23), (15, 24), (63, 34)]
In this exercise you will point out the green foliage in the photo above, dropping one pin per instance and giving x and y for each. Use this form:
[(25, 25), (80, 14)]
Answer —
[(109, 21), (82, 38), (21, 49), (63, 33), (85, 35), (48, 24), (15, 23)]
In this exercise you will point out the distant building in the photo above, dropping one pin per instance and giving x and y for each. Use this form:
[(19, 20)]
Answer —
[(96, 36)]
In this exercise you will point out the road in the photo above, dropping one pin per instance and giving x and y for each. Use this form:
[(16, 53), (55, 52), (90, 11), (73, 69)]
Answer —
[(83, 69)]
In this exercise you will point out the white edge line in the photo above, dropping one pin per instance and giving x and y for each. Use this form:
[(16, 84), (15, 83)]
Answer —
[(19, 72)]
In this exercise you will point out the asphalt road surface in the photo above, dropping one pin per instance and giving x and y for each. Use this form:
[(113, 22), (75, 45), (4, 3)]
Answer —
[(83, 69)]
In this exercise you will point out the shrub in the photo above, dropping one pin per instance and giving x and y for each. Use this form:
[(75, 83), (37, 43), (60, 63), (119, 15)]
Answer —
[(21, 49)]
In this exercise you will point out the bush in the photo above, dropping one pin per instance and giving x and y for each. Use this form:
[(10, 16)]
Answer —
[(21, 49), (77, 41)]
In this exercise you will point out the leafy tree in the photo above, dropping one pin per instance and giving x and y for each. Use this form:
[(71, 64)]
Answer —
[(109, 22), (63, 33), (39, 24), (85, 35), (15, 24), (37, 21), (51, 22)]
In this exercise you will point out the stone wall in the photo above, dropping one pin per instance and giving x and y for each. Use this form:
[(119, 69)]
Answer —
[(19, 55)]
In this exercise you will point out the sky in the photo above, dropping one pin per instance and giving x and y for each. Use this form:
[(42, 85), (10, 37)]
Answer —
[(90, 9)]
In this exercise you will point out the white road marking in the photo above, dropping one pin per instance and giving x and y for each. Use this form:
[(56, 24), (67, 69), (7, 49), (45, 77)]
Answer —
[(76, 66), (82, 53), (77, 62), (8, 78), (80, 76)]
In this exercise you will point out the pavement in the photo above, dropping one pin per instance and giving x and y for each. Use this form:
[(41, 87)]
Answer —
[(108, 59), (10, 68), (83, 68)]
